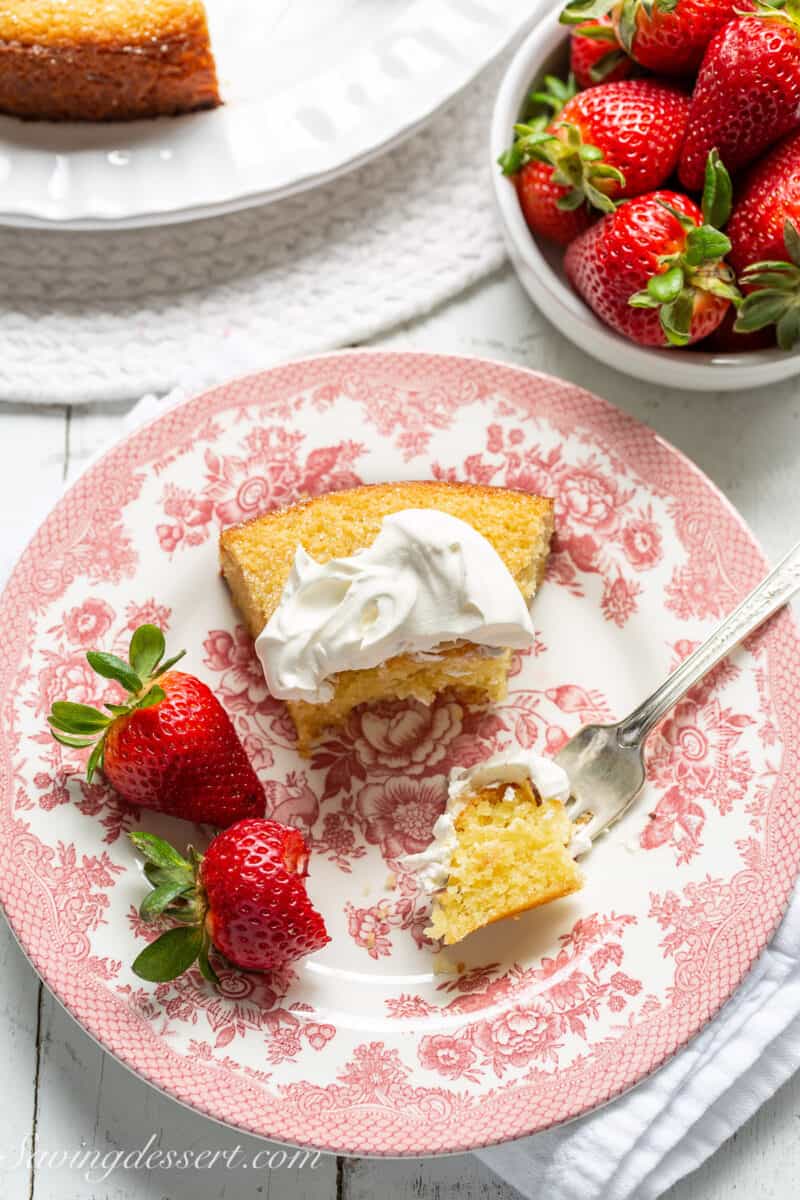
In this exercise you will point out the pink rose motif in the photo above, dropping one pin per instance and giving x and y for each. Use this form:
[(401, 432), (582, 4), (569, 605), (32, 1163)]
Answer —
[(235, 653), (693, 746), (619, 600), (641, 541), (698, 590), (449, 1056), (88, 623), (399, 814), (148, 613), (264, 488), (259, 753), (588, 498), (520, 1034), (373, 1072), (404, 736), (219, 648), (188, 509), (68, 679)]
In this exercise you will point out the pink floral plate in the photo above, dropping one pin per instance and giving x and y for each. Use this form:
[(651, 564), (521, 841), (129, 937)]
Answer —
[(365, 1048)]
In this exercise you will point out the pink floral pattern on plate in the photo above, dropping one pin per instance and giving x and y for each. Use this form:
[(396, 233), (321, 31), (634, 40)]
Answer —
[(364, 1048)]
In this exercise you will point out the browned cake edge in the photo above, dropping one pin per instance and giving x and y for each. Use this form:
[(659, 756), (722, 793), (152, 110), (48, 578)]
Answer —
[(106, 81), (232, 571)]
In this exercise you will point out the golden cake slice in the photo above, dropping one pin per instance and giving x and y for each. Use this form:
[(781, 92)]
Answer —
[(503, 845), (258, 557), (104, 60)]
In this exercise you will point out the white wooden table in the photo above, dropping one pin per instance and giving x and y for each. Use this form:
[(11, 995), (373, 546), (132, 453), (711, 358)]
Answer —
[(61, 1092)]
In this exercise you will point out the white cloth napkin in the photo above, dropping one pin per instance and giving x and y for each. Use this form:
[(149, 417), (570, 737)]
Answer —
[(639, 1145)]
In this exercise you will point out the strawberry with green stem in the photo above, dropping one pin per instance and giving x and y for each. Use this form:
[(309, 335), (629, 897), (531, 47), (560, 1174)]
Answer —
[(773, 293), (595, 54), (170, 746), (246, 897), (610, 142), (747, 93), (668, 37), (654, 270)]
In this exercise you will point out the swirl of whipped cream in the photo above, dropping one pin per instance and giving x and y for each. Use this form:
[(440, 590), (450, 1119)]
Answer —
[(427, 579)]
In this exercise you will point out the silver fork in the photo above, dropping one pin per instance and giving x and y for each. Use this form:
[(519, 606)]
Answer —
[(605, 763)]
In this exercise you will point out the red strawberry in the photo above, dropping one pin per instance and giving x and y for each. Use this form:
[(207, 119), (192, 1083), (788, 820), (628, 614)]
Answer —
[(767, 197), (747, 94), (653, 269), (773, 293), (246, 897), (617, 139), (665, 36), (171, 747), (765, 246), (595, 55)]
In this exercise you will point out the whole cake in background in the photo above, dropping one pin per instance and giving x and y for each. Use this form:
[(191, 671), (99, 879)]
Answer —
[(112, 60)]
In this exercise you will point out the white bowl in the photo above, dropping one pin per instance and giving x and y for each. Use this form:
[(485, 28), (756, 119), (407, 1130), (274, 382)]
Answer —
[(539, 265)]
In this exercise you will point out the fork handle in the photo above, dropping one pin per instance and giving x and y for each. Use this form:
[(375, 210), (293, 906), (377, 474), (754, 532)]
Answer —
[(770, 595)]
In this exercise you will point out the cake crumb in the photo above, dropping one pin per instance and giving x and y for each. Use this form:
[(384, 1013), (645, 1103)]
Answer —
[(369, 941), (391, 881), (442, 965)]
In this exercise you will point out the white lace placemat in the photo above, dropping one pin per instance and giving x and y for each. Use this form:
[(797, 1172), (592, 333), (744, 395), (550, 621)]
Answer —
[(108, 316)]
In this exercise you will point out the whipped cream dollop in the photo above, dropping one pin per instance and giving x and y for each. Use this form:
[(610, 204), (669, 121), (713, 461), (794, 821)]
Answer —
[(510, 767), (427, 579)]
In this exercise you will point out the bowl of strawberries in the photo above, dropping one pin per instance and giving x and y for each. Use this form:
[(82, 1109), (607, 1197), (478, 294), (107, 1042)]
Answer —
[(646, 156)]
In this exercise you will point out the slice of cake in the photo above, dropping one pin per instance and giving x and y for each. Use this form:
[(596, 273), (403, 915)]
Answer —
[(104, 60), (504, 844), (389, 590)]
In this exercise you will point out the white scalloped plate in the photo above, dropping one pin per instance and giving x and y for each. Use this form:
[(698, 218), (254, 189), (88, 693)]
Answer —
[(310, 91)]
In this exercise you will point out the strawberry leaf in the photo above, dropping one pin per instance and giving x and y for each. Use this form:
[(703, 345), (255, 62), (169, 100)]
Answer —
[(667, 287), (95, 759), (206, 969), (156, 851), (598, 33), (788, 328), (608, 63), (146, 650), (791, 240), (676, 318), (170, 955), (154, 696), (157, 901), (578, 11), (170, 663), (717, 192), (76, 718), (75, 743), (111, 667), (704, 243)]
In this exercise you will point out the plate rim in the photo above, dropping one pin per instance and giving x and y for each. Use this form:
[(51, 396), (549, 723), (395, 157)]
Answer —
[(784, 632)]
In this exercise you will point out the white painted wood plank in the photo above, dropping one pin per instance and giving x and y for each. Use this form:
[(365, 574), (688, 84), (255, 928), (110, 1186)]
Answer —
[(460, 1177), (32, 446), (88, 1101), (19, 1010)]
